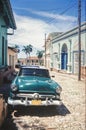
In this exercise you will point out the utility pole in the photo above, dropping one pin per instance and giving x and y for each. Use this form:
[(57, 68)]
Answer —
[(79, 40), (45, 49)]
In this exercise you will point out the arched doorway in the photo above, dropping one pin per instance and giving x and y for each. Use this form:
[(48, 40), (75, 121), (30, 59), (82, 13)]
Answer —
[(64, 57)]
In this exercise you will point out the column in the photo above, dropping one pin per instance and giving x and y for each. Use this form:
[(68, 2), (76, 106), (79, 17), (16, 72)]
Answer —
[(69, 65), (51, 55), (59, 57)]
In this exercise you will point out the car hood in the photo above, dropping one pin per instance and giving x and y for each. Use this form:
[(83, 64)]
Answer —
[(36, 84)]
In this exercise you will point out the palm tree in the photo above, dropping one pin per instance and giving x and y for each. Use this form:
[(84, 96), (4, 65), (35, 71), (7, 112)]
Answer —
[(27, 50), (17, 51), (17, 47), (39, 55)]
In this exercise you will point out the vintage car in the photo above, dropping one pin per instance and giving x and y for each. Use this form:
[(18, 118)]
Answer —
[(33, 86)]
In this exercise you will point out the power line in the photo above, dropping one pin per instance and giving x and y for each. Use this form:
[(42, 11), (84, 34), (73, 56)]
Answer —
[(63, 12)]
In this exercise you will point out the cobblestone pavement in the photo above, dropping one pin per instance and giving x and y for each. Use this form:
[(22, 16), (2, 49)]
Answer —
[(69, 116)]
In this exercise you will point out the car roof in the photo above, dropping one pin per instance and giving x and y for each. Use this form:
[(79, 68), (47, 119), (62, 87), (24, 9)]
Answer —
[(33, 66)]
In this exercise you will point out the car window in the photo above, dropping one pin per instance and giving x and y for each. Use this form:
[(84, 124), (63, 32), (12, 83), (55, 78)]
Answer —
[(34, 72)]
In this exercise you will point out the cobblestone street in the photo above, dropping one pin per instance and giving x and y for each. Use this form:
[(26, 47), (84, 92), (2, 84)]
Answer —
[(69, 116)]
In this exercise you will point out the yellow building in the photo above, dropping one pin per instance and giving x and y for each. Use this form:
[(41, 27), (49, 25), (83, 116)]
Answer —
[(32, 60), (12, 56)]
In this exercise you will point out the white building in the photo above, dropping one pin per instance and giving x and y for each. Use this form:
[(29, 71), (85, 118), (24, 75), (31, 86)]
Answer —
[(62, 50)]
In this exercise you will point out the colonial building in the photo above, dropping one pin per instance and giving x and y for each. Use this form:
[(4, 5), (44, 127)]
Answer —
[(62, 50), (49, 49), (12, 56), (32, 60), (6, 22)]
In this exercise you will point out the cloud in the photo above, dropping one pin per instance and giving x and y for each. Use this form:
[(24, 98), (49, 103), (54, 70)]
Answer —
[(50, 15), (32, 31), (29, 31), (55, 16)]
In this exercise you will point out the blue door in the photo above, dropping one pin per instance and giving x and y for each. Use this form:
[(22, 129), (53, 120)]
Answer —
[(64, 57)]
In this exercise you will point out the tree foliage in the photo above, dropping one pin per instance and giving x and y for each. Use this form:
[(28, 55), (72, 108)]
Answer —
[(17, 48), (27, 49), (39, 55)]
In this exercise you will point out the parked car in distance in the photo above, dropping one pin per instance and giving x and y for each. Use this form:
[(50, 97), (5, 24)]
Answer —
[(3, 110), (33, 86)]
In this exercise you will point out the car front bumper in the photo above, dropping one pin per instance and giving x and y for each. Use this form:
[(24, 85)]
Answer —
[(33, 102)]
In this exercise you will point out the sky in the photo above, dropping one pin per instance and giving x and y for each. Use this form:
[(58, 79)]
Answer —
[(35, 18)]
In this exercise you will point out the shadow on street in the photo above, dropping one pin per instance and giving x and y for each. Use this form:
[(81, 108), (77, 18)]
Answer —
[(9, 124), (47, 111), (42, 111), (5, 89)]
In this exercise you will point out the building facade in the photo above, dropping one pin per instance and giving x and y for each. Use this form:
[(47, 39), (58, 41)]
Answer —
[(6, 22), (49, 49), (63, 50), (12, 56), (32, 60)]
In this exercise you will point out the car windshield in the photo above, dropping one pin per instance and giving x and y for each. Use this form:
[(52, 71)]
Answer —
[(34, 72)]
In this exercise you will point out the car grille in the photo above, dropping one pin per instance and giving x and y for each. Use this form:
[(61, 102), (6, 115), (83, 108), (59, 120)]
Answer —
[(23, 96)]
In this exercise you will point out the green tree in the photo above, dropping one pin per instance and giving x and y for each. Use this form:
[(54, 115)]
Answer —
[(27, 50), (17, 48), (17, 51), (39, 55)]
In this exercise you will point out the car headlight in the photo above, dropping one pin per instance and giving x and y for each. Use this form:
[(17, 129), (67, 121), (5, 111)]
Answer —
[(14, 88), (59, 89)]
